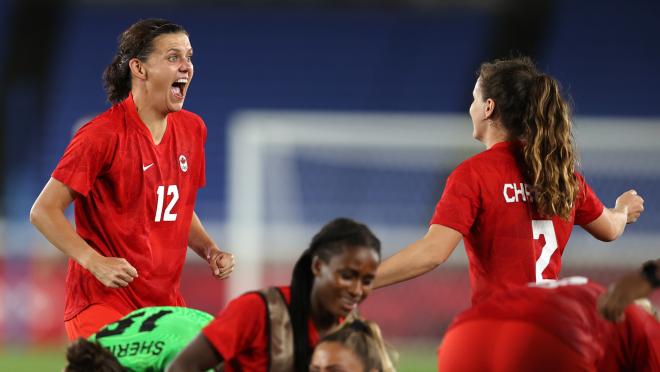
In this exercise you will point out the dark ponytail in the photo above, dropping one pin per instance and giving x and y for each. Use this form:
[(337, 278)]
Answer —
[(135, 42), (334, 237)]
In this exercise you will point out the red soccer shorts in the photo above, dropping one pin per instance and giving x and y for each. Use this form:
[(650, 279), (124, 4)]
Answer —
[(506, 345), (90, 320)]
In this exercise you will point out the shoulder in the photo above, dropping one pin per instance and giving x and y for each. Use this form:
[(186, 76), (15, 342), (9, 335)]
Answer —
[(250, 301), (180, 312), (192, 123), (106, 125), (468, 167), (189, 117)]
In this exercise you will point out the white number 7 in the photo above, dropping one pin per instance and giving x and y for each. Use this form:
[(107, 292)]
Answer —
[(547, 229), (167, 216)]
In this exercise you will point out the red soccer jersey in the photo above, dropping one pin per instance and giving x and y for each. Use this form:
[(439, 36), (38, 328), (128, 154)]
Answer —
[(568, 311), (239, 333), (507, 242), (136, 201)]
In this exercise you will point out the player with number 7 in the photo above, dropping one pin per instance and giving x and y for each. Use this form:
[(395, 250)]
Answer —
[(514, 204)]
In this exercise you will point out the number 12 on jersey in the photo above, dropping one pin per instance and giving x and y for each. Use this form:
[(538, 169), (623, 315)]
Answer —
[(547, 229), (173, 191)]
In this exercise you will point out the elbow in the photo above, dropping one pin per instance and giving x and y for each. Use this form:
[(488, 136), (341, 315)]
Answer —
[(35, 214), (439, 260), (611, 234), (610, 237), (436, 260), (607, 238)]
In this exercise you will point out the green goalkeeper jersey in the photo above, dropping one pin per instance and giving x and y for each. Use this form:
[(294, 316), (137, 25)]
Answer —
[(148, 339)]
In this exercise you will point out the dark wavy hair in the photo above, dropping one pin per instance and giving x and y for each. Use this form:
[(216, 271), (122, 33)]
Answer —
[(335, 237), (531, 107), (135, 42), (84, 356)]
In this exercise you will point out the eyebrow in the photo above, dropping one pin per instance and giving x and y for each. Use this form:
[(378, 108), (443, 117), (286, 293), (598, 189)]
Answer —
[(178, 50)]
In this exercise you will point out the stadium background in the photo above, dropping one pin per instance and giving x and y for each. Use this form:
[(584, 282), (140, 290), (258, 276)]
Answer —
[(362, 67)]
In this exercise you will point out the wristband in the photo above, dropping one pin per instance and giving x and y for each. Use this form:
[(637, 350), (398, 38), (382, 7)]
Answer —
[(650, 273)]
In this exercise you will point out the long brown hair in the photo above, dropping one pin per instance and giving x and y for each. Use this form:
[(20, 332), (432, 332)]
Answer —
[(531, 107)]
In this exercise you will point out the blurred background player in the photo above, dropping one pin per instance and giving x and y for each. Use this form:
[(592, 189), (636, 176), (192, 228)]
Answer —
[(144, 340), (279, 326), (132, 174), (515, 204), (357, 346), (550, 326), (633, 286)]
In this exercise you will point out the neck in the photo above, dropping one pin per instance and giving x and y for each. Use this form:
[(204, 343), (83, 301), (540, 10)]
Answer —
[(155, 120), (322, 319), (495, 135)]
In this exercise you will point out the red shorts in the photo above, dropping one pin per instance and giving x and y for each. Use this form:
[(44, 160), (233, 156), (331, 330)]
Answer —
[(90, 320), (506, 345)]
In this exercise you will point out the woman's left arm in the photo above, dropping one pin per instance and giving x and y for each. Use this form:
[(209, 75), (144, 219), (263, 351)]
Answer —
[(221, 263)]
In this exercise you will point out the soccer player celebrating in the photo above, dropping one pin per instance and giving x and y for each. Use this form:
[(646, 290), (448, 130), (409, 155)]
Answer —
[(144, 340), (132, 174), (633, 286), (276, 328), (515, 204), (551, 326)]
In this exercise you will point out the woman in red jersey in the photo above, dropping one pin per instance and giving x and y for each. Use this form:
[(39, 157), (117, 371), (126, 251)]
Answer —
[(552, 326), (132, 173), (632, 286), (515, 203), (276, 328)]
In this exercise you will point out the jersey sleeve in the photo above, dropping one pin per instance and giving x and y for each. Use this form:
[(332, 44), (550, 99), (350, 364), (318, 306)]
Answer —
[(89, 154), (239, 327), (460, 201), (588, 206)]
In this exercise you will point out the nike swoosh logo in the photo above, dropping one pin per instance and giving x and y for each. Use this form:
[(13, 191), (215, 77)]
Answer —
[(145, 167)]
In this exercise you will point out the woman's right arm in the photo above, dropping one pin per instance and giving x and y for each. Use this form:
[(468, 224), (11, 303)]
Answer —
[(48, 216), (199, 355), (419, 257)]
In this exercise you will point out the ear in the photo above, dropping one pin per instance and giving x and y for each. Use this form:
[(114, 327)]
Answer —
[(316, 265), (137, 68), (490, 108)]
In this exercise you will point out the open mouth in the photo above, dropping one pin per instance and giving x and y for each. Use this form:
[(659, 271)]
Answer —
[(348, 304), (179, 88)]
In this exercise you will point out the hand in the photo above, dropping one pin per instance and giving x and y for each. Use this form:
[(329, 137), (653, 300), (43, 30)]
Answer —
[(113, 272), (632, 203), (221, 263), (612, 303)]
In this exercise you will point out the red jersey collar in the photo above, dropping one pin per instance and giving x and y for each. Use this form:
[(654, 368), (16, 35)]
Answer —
[(134, 119), (507, 145)]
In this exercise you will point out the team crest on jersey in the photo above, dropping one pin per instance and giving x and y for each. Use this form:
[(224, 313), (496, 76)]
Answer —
[(183, 163)]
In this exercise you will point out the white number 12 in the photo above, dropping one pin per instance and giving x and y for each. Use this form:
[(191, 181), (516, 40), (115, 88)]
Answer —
[(167, 216), (547, 229)]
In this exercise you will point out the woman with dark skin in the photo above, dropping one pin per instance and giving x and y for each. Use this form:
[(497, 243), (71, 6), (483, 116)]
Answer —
[(329, 280)]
